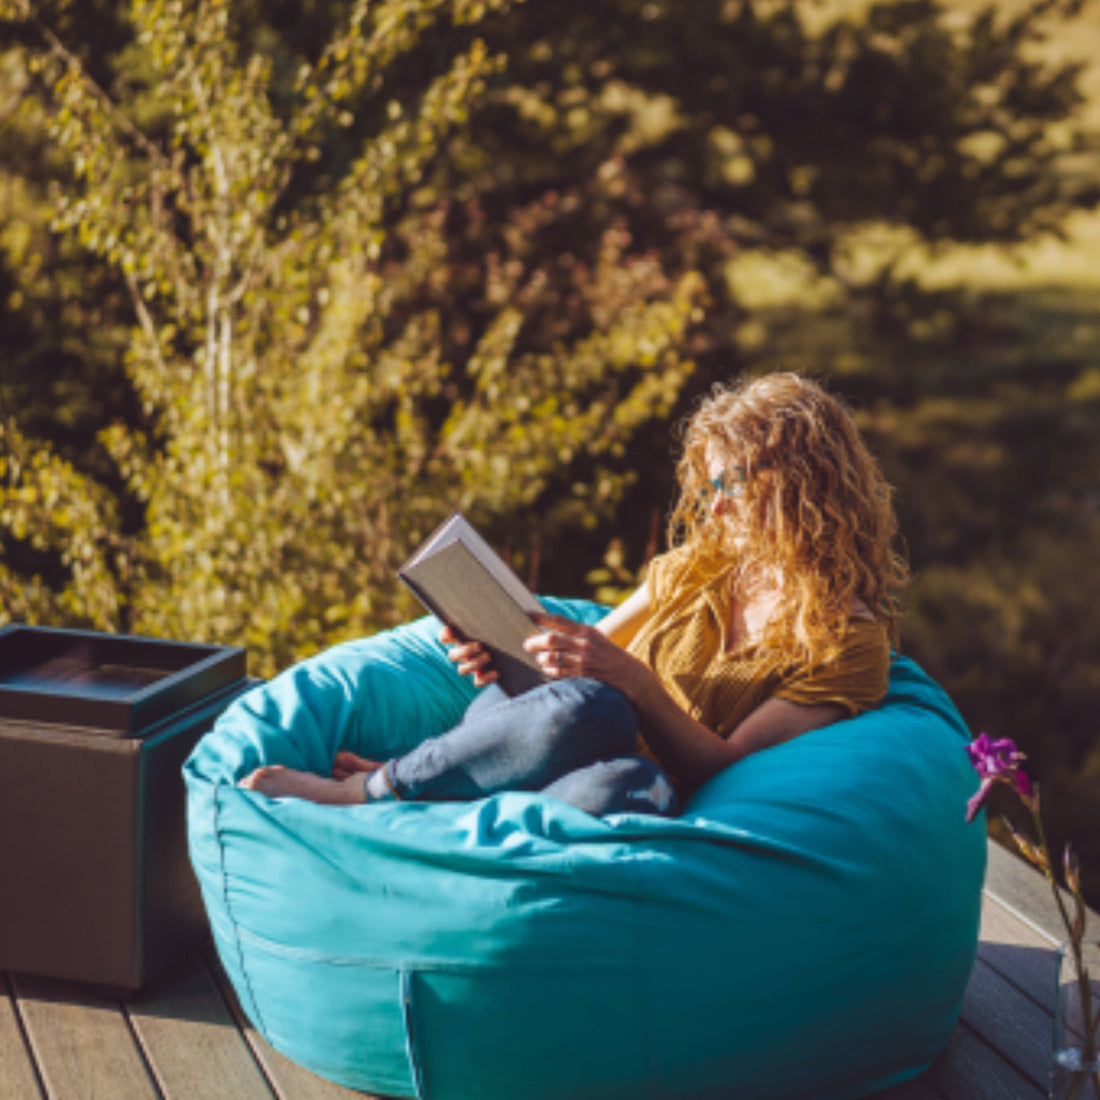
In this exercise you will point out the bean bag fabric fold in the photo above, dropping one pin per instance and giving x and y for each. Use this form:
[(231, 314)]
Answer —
[(806, 928)]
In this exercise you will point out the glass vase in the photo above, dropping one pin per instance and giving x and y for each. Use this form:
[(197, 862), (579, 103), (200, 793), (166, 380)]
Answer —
[(1075, 1064)]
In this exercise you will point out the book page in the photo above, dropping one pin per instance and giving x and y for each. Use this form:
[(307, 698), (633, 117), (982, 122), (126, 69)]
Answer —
[(443, 533)]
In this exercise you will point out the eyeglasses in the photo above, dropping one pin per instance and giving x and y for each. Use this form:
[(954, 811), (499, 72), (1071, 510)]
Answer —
[(730, 482)]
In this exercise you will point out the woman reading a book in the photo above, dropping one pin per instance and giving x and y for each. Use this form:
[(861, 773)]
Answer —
[(772, 616)]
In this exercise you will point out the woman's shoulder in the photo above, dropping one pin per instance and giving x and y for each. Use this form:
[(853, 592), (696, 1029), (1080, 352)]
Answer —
[(855, 674), (663, 573), (683, 569), (865, 642)]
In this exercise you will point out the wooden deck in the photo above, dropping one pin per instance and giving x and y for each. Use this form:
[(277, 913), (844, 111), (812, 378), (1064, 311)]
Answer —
[(185, 1038)]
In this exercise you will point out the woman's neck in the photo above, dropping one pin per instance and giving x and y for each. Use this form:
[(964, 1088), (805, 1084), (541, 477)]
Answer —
[(756, 593)]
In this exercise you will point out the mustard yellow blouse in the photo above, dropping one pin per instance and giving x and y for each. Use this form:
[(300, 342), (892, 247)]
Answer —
[(684, 641)]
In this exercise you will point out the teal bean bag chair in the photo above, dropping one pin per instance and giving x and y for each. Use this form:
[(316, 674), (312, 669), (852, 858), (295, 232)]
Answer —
[(806, 928)]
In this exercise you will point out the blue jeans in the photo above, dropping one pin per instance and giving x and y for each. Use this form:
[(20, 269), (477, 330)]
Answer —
[(572, 739)]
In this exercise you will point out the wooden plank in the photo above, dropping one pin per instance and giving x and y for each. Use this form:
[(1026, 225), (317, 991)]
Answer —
[(1019, 887), (289, 1080), (1018, 952), (18, 1080), (1010, 1021), (970, 1069), (81, 1042), (191, 1041), (1023, 926), (293, 1082)]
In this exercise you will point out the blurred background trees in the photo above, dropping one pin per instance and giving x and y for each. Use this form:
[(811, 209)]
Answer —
[(282, 284), (293, 417)]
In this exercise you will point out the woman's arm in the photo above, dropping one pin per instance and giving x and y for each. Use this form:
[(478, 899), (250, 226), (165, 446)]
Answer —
[(622, 623), (683, 745), (693, 752)]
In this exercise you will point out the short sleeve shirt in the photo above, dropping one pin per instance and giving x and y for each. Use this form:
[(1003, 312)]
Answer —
[(685, 641)]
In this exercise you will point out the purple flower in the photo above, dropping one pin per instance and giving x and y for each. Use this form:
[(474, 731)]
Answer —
[(994, 759), (997, 762)]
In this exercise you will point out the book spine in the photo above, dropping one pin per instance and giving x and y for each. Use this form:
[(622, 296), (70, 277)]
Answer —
[(431, 605)]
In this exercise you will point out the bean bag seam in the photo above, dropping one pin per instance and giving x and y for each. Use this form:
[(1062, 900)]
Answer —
[(641, 869), (416, 1071), (237, 930), (416, 963)]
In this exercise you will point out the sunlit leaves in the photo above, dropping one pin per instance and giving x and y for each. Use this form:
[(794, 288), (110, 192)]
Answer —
[(310, 412), (45, 504)]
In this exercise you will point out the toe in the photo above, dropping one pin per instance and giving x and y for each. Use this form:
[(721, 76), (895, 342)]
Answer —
[(257, 779)]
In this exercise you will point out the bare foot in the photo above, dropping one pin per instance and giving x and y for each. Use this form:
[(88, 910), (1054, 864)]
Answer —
[(278, 782)]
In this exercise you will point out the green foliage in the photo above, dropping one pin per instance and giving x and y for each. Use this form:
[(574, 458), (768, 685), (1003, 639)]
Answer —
[(301, 424), (44, 504)]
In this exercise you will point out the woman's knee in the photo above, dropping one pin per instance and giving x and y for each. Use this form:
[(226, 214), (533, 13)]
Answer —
[(594, 713)]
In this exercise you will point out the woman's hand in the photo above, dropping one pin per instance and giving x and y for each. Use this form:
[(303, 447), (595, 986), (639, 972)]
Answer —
[(566, 648), (472, 658)]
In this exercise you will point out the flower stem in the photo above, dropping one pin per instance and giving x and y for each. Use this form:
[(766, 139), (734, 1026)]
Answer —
[(1084, 986)]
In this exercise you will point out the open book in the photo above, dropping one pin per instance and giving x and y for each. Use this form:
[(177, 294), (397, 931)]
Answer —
[(461, 580)]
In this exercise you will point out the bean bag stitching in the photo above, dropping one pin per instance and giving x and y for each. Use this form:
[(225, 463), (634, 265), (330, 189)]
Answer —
[(233, 924), (420, 962), (327, 1067), (643, 975), (416, 1072)]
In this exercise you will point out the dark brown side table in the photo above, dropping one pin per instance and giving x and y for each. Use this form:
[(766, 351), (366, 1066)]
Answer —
[(95, 883)]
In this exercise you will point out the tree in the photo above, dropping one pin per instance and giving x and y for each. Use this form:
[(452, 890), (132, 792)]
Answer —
[(302, 424)]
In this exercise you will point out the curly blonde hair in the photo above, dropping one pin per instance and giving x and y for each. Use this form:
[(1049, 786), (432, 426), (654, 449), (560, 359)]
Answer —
[(814, 512)]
